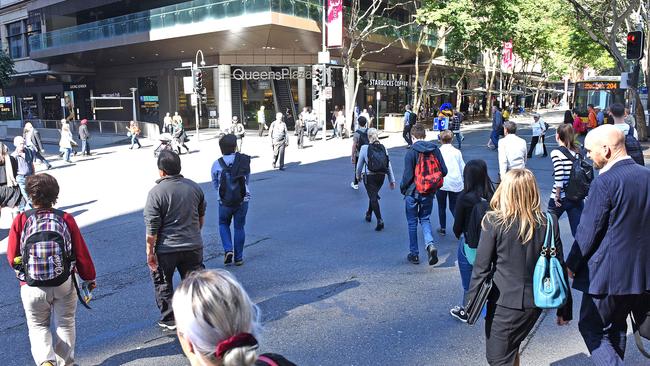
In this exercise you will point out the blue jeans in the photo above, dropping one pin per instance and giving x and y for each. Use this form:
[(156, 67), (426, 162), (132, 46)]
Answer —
[(464, 267), (66, 154), (418, 209), (20, 179), (573, 210), (226, 215), (459, 138), (495, 138), (441, 197), (85, 147), (134, 140)]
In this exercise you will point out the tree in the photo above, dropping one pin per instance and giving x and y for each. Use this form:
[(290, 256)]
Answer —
[(366, 22), (606, 23), (6, 69)]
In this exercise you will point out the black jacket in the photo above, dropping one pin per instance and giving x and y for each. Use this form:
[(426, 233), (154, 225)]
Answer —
[(36, 140), (407, 186), (514, 265), (463, 212)]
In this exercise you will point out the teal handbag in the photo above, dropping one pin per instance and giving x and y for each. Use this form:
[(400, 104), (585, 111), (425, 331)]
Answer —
[(549, 287)]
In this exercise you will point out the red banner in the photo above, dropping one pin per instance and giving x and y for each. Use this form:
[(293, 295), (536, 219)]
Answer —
[(334, 23), (507, 60)]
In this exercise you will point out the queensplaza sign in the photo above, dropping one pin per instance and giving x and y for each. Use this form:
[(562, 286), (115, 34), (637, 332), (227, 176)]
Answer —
[(242, 74)]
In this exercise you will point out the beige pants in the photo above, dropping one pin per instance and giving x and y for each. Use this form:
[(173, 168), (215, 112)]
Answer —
[(40, 304)]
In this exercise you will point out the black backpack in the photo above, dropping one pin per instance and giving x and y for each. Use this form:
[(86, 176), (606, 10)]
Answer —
[(377, 158), (473, 234), (582, 173), (634, 149), (363, 139), (232, 189)]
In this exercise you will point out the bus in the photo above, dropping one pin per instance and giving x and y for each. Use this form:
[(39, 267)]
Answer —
[(601, 91)]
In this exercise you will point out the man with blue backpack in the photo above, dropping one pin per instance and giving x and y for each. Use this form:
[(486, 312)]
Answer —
[(230, 175)]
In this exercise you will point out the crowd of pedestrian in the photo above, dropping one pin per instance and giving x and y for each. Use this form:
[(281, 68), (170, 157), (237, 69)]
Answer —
[(501, 232)]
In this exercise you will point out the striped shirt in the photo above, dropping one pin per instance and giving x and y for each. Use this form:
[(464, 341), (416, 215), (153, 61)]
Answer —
[(561, 171)]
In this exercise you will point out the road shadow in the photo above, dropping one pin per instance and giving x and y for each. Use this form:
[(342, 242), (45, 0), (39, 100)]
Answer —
[(278, 307), (76, 205), (78, 212), (577, 359), (170, 348)]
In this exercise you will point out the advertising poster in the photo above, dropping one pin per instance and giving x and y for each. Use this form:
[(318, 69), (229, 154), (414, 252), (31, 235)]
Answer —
[(334, 23)]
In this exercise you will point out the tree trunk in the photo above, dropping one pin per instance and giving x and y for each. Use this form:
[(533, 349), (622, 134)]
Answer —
[(641, 128), (350, 95), (459, 89), (489, 90)]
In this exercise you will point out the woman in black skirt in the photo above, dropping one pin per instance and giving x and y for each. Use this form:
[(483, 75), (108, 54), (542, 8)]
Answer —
[(10, 195), (510, 244)]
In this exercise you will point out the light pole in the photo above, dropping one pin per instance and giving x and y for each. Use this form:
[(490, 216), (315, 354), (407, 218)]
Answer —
[(195, 67), (378, 99), (135, 115)]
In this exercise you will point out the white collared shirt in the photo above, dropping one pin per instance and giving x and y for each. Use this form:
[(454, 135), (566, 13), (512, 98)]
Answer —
[(610, 164), (512, 153), (453, 158)]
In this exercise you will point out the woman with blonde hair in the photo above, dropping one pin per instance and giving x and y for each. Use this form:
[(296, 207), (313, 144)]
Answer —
[(217, 323), (511, 242)]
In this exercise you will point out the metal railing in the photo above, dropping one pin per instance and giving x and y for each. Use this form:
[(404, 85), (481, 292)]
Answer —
[(149, 129), (168, 16)]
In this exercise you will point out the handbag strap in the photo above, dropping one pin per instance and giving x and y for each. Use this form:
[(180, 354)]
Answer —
[(549, 230)]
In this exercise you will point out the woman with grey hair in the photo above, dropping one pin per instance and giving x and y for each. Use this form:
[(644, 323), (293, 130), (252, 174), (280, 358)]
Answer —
[(374, 164), (217, 323)]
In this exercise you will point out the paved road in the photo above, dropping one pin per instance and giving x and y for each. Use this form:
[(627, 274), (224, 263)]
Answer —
[(331, 289)]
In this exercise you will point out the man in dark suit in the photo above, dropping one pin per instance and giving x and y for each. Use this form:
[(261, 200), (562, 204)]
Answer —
[(610, 258)]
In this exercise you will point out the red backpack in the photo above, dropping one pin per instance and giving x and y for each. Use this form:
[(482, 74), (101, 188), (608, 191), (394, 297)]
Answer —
[(428, 176)]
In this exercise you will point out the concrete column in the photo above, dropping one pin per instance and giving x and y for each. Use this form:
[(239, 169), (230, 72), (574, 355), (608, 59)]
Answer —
[(225, 97), (302, 90), (215, 84)]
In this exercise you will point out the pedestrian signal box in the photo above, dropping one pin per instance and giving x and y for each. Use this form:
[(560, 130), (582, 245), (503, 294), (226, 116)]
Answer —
[(635, 45)]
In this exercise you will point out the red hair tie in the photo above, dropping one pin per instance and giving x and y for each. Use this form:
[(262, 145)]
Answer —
[(239, 340)]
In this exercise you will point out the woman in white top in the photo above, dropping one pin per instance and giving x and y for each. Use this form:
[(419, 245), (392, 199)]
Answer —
[(562, 165), (66, 141), (373, 180), (453, 182), (339, 124), (539, 129)]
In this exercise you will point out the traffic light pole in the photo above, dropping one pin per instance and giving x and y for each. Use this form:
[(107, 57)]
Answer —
[(195, 67)]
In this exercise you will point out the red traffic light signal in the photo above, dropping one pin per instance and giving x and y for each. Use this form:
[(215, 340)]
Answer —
[(635, 45)]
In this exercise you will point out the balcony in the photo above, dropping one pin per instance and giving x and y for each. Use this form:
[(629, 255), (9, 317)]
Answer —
[(183, 14)]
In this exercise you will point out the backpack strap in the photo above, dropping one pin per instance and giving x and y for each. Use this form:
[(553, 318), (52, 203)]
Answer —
[(568, 154), (222, 163)]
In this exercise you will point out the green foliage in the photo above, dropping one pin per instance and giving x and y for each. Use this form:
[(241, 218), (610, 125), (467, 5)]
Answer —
[(6, 68), (586, 53)]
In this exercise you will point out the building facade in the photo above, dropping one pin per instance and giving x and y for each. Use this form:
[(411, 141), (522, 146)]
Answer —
[(71, 56)]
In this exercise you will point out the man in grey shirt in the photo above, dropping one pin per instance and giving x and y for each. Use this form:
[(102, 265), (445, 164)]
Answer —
[(280, 140), (173, 216)]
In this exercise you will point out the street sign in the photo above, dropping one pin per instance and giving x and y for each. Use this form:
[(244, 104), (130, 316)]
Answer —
[(324, 57), (193, 99), (186, 64), (188, 85), (328, 92)]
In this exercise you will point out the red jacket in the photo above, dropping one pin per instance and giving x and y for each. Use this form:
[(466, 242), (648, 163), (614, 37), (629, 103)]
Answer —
[(84, 263)]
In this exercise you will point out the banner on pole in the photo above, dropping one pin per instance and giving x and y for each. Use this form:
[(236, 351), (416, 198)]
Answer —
[(507, 59), (334, 23)]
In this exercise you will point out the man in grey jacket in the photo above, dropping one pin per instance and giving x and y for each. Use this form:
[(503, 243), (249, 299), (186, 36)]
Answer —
[(173, 216)]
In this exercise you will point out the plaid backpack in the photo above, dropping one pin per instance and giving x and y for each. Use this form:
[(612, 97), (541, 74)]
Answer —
[(46, 248), (428, 176)]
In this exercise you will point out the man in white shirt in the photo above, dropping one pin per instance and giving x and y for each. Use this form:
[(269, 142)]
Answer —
[(512, 150)]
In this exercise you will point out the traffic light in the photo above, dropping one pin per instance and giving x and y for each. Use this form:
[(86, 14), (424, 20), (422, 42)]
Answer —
[(204, 95), (635, 45), (317, 81), (198, 80)]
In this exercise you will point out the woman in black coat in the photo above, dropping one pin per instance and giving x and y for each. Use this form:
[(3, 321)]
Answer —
[(510, 245)]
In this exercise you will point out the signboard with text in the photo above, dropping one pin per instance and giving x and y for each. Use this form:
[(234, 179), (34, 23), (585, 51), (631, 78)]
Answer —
[(598, 85)]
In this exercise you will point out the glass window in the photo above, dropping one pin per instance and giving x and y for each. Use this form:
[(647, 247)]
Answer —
[(15, 39)]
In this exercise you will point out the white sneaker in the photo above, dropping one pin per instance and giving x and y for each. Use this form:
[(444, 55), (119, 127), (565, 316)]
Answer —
[(354, 186)]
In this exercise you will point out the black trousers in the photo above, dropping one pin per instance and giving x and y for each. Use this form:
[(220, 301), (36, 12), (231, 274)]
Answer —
[(407, 134), (603, 324), (354, 169), (373, 183), (533, 142), (301, 137), (185, 262), (505, 329)]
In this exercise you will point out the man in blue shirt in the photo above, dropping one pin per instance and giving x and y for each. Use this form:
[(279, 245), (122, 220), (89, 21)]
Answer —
[(600, 116), (238, 166), (409, 120), (497, 126)]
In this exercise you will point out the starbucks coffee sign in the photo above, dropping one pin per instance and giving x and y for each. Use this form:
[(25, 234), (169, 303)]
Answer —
[(241, 74), (391, 82)]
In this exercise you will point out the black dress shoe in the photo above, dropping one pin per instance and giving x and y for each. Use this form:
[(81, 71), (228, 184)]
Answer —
[(380, 226), (368, 216)]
